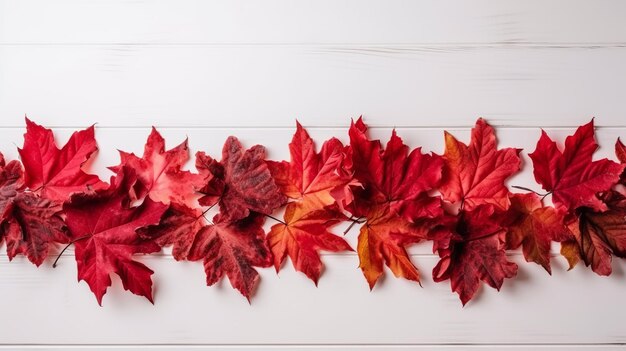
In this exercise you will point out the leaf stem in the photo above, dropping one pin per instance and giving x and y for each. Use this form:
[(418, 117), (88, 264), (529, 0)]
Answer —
[(354, 221), (531, 190), (276, 219), (207, 210), (54, 265)]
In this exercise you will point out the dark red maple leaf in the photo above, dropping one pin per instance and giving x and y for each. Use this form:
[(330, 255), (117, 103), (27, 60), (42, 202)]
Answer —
[(597, 236), (56, 173), (29, 224), (534, 227), (160, 172), (571, 176), (103, 227), (11, 177), (241, 182), (319, 184), (232, 248), (33, 227), (472, 252), (393, 200), (475, 174), (178, 227)]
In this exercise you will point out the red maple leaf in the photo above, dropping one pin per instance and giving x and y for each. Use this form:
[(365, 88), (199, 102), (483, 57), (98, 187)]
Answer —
[(620, 152), (534, 227), (393, 200), (392, 175), (475, 174), (472, 252), (241, 182), (313, 178), (29, 224), (597, 236), (160, 172), (103, 227), (56, 173), (572, 176), (318, 183)]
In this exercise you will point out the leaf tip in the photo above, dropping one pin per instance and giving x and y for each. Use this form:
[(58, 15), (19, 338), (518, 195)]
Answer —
[(359, 125)]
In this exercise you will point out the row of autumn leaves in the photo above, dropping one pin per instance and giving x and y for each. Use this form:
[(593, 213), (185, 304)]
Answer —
[(458, 200)]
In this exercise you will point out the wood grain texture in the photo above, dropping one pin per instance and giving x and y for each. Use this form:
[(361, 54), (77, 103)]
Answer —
[(379, 347), (269, 86), (312, 21), (289, 309), (209, 69)]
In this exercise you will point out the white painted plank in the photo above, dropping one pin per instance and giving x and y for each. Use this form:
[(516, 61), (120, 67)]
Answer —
[(320, 85), (573, 307), (321, 21), (378, 347)]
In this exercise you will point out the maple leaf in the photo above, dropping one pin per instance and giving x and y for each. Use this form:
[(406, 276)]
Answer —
[(178, 227), (56, 173), (240, 183), (475, 173), (11, 177), (394, 201), (29, 224), (232, 248), (319, 183), (159, 172), (392, 175), (313, 177), (597, 236), (570, 250), (103, 227), (303, 234), (473, 252), (572, 176), (234, 243), (620, 151), (383, 240), (33, 227), (534, 227)]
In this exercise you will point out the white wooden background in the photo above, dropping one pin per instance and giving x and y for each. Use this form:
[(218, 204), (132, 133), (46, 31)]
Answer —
[(209, 69)]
